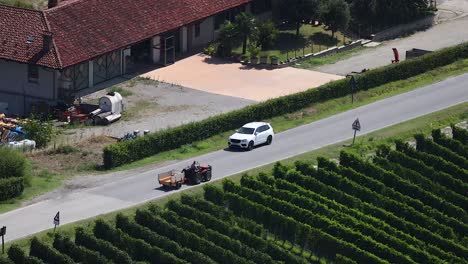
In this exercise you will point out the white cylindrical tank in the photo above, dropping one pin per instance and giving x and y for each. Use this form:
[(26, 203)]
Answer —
[(111, 103), (28, 145)]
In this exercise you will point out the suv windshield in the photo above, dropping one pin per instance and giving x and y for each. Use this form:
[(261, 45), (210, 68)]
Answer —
[(246, 130)]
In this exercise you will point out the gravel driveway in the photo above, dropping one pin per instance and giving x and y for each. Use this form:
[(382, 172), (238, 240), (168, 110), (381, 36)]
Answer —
[(155, 106), (451, 30)]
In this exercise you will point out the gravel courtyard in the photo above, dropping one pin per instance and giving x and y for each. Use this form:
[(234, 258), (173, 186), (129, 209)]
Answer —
[(155, 105)]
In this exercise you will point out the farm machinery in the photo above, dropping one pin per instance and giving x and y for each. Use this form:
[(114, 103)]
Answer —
[(193, 175)]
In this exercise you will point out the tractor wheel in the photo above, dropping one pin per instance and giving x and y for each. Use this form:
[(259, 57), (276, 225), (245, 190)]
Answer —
[(269, 140), (178, 185), (197, 178), (208, 176), (251, 146)]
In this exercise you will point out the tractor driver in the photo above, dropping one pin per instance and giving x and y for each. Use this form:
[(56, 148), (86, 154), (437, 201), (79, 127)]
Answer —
[(195, 165)]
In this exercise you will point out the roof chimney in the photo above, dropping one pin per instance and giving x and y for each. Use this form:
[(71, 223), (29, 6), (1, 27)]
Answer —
[(46, 41), (52, 3)]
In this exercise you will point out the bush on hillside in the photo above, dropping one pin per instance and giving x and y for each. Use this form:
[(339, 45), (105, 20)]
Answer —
[(12, 163)]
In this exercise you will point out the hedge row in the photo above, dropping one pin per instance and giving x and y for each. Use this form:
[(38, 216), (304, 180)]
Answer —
[(340, 217), (417, 178), (141, 232), (331, 226), (186, 238), (399, 208), (393, 186), (377, 223), (78, 253), (12, 163), (426, 145), (223, 215), (216, 237), (454, 145), (444, 179), (292, 230), (47, 253), (128, 151), (188, 208), (460, 134), (433, 166), (85, 239), (11, 187), (319, 186), (138, 249), (17, 255)]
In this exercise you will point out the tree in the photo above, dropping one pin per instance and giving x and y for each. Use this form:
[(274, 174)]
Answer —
[(335, 15), (266, 34), (246, 28), (41, 132), (383, 13), (299, 11), (228, 37)]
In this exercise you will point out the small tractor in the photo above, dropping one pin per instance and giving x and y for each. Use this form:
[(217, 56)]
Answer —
[(193, 175)]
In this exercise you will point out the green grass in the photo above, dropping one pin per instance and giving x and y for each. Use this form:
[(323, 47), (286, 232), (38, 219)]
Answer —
[(364, 145), (119, 90), (315, 62), (135, 111), (38, 184), (311, 40), (314, 112)]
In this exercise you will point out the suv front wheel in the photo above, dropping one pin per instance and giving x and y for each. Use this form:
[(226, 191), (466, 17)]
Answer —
[(250, 146)]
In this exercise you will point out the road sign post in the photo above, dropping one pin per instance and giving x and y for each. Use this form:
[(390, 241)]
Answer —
[(2, 233), (56, 220), (352, 83), (356, 127)]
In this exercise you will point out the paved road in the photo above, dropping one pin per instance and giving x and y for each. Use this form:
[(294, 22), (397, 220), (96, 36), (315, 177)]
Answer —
[(142, 186), (449, 33)]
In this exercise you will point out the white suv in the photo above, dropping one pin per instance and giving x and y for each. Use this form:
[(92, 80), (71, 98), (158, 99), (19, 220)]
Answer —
[(250, 135)]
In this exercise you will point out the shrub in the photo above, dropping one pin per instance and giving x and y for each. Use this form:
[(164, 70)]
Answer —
[(41, 132), (12, 163), (111, 252), (77, 253), (47, 253), (266, 34), (210, 50), (124, 152), (17, 255), (11, 187)]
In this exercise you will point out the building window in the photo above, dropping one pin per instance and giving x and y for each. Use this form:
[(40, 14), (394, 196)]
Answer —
[(33, 73), (197, 29)]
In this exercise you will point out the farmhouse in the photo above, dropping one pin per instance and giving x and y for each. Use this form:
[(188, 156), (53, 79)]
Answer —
[(73, 45)]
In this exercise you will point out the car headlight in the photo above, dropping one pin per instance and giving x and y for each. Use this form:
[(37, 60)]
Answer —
[(244, 140)]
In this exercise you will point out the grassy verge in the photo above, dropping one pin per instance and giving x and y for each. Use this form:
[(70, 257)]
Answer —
[(281, 123), (312, 39), (315, 62), (364, 144), (312, 113)]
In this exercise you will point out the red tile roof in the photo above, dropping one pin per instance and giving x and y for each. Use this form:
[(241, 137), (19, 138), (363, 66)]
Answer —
[(17, 26), (84, 29)]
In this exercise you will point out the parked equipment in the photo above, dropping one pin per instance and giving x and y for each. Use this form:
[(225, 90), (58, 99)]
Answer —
[(396, 55), (110, 109), (193, 175)]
